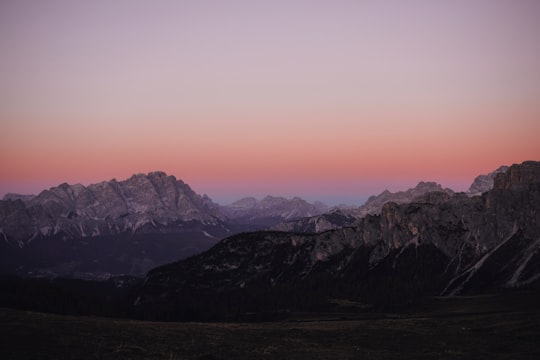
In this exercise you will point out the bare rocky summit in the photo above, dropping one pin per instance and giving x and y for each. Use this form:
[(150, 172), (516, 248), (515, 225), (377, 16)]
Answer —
[(342, 217), (271, 210), (106, 208), (11, 196), (113, 227), (374, 204), (334, 219), (483, 183)]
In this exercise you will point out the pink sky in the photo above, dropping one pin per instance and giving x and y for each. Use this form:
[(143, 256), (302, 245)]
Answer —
[(330, 100)]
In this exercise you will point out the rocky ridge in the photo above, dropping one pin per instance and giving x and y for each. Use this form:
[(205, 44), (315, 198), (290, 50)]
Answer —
[(374, 204), (106, 208), (443, 244), (125, 227), (483, 183), (271, 210), (113, 227), (338, 218), (130, 226)]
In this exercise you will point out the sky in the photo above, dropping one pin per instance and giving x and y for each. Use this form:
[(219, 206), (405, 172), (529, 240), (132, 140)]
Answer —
[(328, 100)]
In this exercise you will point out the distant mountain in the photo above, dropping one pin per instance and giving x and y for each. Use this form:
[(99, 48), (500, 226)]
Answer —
[(113, 227), (338, 218), (12, 196), (333, 219), (270, 210), (374, 204), (483, 183), (443, 244), (125, 227)]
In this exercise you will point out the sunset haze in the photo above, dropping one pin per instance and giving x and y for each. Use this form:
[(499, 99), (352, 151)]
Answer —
[(328, 100)]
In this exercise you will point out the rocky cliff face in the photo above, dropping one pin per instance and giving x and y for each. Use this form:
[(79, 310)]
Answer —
[(374, 204), (40, 231), (521, 177), (333, 219), (442, 243), (338, 218), (108, 208), (483, 183)]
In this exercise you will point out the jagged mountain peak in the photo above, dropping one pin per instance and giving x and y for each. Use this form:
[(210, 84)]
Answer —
[(246, 202), (155, 193), (483, 183), (375, 203), (427, 191), (427, 185), (141, 198), (271, 210), (153, 217), (13, 196), (159, 173)]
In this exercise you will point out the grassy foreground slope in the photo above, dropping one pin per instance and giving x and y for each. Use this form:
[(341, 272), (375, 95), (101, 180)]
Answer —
[(484, 327)]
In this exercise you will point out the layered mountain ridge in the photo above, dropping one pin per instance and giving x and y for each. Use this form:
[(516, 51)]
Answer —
[(113, 227), (130, 226), (338, 218), (108, 208), (271, 210), (440, 244), (124, 227)]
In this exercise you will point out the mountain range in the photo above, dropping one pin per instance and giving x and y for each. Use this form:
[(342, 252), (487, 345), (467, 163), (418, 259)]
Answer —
[(271, 210), (439, 244), (341, 217), (346, 216), (125, 227), (131, 226)]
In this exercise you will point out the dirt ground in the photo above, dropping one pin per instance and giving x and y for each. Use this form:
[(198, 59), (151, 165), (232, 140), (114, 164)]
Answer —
[(460, 328)]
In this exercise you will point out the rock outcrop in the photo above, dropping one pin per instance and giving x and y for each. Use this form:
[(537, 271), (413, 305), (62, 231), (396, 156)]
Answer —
[(339, 218), (333, 219), (374, 204), (483, 183)]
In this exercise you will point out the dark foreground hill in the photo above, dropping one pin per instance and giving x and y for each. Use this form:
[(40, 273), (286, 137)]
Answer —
[(504, 326)]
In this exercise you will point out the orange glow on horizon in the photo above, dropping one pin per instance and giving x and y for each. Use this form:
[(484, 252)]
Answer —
[(337, 99)]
